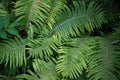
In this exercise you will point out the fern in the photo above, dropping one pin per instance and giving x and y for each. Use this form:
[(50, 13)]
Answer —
[(3, 11), (72, 60), (32, 12), (43, 70), (78, 19), (12, 53), (61, 39), (55, 8), (106, 60), (43, 47)]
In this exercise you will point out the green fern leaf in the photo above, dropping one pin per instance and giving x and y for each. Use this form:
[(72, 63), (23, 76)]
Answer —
[(3, 11), (78, 19), (12, 53), (105, 62), (26, 76), (72, 60), (31, 12), (43, 47), (43, 71), (55, 8)]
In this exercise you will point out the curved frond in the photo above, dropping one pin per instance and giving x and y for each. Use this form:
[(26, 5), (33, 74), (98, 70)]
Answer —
[(72, 59), (43, 47), (79, 18), (12, 52)]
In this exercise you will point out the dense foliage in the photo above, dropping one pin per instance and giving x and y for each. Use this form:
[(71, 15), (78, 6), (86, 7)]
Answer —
[(59, 40)]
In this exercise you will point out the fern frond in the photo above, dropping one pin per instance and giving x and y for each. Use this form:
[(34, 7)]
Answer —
[(3, 11), (43, 71), (105, 62), (27, 76), (55, 8), (72, 59), (78, 19), (43, 47), (31, 12), (46, 70), (12, 53)]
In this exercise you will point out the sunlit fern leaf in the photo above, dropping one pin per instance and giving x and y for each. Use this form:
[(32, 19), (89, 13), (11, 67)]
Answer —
[(43, 71), (78, 19), (55, 8), (72, 59), (43, 47), (12, 53), (31, 12), (105, 62)]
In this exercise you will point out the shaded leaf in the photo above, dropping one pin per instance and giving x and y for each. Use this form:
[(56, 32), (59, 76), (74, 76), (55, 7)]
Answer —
[(12, 30), (3, 35)]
